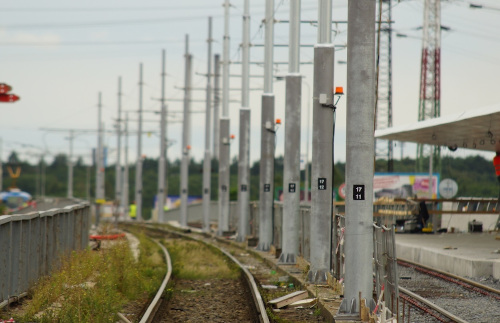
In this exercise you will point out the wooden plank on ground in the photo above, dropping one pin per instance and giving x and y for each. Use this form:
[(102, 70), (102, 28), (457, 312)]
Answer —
[(303, 302), (288, 299)]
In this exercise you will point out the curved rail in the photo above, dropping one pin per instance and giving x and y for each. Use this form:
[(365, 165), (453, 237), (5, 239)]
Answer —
[(259, 303), (261, 308), (153, 307)]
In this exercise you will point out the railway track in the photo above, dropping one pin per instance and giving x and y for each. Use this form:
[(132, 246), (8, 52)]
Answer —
[(195, 299), (219, 290), (429, 295)]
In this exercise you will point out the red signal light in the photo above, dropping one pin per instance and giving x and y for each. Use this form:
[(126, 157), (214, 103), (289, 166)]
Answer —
[(8, 97), (5, 88)]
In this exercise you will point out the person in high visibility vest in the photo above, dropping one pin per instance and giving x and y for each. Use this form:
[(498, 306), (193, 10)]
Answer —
[(132, 211)]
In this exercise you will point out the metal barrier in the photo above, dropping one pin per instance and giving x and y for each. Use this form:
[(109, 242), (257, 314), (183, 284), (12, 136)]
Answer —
[(386, 267), (32, 244)]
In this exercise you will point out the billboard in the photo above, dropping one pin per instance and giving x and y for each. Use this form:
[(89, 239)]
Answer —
[(404, 185)]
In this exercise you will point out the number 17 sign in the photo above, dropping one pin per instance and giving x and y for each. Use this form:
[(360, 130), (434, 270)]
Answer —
[(358, 193)]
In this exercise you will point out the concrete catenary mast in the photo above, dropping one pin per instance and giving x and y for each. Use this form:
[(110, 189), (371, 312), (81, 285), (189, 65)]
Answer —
[(186, 136), (291, 178), (125, 190), (216, 121), (267, 139), (359, 156), (118, 166), (224, 131), (207, 162), (138, 165), (244, 136), (322, 147), (163, 145), (99, 155)]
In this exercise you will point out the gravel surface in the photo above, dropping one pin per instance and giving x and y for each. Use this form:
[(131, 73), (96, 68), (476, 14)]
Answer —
[(264, 275), (488, 281), (267, 276), (468, 305), (208, 300)]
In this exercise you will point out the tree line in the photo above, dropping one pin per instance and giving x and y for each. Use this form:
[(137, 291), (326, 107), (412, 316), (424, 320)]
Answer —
[(474, 174)]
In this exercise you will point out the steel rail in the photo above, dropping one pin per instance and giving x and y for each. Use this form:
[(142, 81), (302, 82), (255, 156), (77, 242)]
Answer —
[(464, 282), (261, 308), (430, 305), (153, 307), (259, 303)]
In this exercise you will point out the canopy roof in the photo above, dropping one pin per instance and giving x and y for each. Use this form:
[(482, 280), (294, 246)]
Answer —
[(473, 129)]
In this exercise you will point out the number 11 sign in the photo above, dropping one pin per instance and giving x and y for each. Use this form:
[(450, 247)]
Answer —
[(358, 193)]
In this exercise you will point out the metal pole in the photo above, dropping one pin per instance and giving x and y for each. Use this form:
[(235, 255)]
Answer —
[(306, 181), (185, 137), (244, 137), (322, 148), (87, 186), (325, 22), (224, 150), (70, 164), (223, 219), (125, 172), (43, 177), (267, 138), (207, 162), (99, 191), (291, 167), (138, 165), (37, 179), (360, 151), (225, 64), (163, 146), (118, 169), (435, 218), (216, 105)]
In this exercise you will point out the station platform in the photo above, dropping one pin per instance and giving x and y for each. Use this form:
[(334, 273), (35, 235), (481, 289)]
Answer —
[(464, 254)]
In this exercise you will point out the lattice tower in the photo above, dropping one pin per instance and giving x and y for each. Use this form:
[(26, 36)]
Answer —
[(430, 78), (383, 112)]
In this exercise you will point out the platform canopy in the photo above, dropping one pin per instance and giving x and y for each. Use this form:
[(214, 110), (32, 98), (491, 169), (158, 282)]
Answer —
[(473, 129)]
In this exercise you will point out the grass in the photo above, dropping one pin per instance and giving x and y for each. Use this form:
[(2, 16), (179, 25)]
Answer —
[(93, 286), (193, 260)]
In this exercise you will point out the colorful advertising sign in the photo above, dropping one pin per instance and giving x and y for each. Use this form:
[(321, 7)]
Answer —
[(404, 185)]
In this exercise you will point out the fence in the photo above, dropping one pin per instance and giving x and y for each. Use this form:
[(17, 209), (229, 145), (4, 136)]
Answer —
[(386, 274), (32, 244)]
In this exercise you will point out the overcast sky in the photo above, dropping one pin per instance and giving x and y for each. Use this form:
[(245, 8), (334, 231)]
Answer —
[(58, 55)]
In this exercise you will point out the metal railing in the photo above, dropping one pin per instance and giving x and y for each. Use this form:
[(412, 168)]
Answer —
[(31, 245)]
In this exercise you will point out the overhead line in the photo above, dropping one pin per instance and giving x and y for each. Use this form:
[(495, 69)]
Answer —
[(105, 23), (133, 42), (114, 9)]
